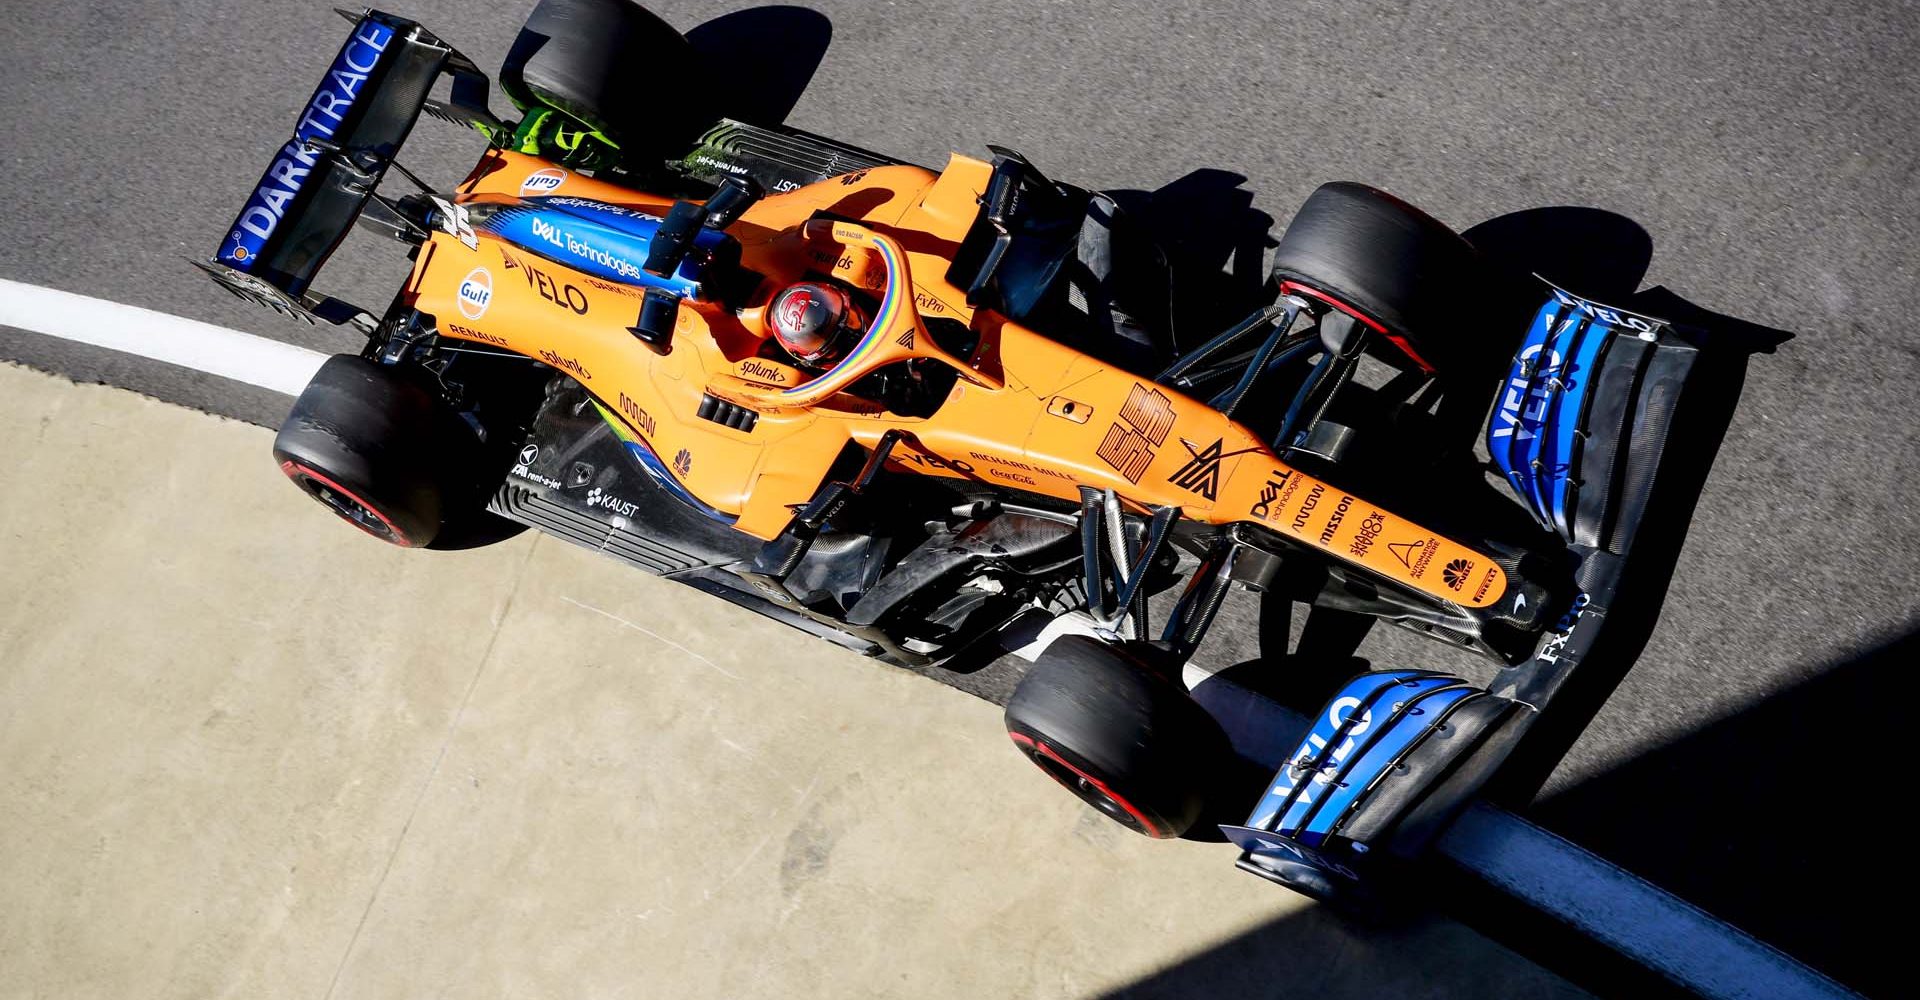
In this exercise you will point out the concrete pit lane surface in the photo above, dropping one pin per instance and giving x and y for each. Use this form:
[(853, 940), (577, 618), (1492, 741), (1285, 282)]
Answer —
[(1748, 165), (525, 770)]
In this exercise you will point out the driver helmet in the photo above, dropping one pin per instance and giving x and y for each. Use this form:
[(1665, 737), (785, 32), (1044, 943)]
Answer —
[(816, 323)]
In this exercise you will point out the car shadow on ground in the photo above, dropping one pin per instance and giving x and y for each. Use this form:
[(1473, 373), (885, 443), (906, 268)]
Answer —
[(1724, 817), (1698, 816), (1215, 243), (771, 53)]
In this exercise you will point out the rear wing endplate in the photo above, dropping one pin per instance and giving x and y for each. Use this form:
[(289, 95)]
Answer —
[(343, 143)]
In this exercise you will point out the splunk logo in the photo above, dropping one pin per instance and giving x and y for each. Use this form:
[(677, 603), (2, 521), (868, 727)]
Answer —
[(566, 364), (543, 181), (476, 293), (1523, 408)]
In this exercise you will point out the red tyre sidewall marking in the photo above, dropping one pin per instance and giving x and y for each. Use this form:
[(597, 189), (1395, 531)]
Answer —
[(1152, 829), (399, 537), (1291, 287)]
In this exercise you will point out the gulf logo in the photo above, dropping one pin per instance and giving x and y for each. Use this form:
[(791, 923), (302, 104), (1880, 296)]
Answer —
[(543, 181), (476, 293)]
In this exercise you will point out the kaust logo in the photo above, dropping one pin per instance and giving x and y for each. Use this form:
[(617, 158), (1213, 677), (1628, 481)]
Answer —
[(543, 181), (476, 293)]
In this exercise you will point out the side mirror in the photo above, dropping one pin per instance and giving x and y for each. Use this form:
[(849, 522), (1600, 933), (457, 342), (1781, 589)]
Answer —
[(736, 195), (658, 311)]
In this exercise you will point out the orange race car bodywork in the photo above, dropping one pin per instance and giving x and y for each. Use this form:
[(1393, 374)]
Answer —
[(1028, 413), (994, 447)]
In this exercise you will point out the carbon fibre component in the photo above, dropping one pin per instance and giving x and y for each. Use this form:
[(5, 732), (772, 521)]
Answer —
[(342, 144), (1393, 750), (775, 157), (584, 478), (1581, 421), (1021, 543), (574, 479)]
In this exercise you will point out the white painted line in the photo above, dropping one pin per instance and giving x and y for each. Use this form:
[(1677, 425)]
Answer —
[(175, 340), (1626, 912)]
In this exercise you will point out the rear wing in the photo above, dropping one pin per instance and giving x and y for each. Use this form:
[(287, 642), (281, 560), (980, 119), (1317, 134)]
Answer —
[(323, 178)]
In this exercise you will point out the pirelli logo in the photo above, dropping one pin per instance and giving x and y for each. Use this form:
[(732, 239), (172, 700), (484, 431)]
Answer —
[(1144, 422)]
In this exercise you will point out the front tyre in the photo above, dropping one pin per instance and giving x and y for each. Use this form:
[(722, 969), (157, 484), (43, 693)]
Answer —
[(1395, 268), (378, 449), (1127, 739)]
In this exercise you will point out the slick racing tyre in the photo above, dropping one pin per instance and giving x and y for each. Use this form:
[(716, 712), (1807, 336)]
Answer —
[(1395, 268), (1125, 738), (613, 66), (378, 449)]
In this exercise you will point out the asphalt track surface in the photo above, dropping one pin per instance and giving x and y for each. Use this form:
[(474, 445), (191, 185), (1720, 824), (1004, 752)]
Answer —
[(1758, 160)]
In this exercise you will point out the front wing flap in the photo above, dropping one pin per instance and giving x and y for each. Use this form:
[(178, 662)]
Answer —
[(1579, 430), (1583, 417), (1392, 749)]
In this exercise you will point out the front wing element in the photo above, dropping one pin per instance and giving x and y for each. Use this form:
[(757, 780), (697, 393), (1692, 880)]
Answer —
[(1389, 758), (1579, 430), (1583, 417)]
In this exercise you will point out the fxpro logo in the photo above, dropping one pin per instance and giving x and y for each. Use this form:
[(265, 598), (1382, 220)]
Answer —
[(543, 181), (476, 293)]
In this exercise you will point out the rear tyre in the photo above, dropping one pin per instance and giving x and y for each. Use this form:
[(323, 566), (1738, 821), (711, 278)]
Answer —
[(1392, 266), (379, 450), (1125, 738), (613, 66)]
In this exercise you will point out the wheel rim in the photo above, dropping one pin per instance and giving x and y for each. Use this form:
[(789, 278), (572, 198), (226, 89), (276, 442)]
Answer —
[(1296, 288), (1088, 788), (344, 503)]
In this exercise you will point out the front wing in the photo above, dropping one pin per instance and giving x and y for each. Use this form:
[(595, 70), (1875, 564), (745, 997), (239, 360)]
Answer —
[(1578, 432)]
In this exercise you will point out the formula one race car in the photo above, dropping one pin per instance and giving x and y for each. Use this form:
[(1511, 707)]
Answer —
[(937, 415)]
